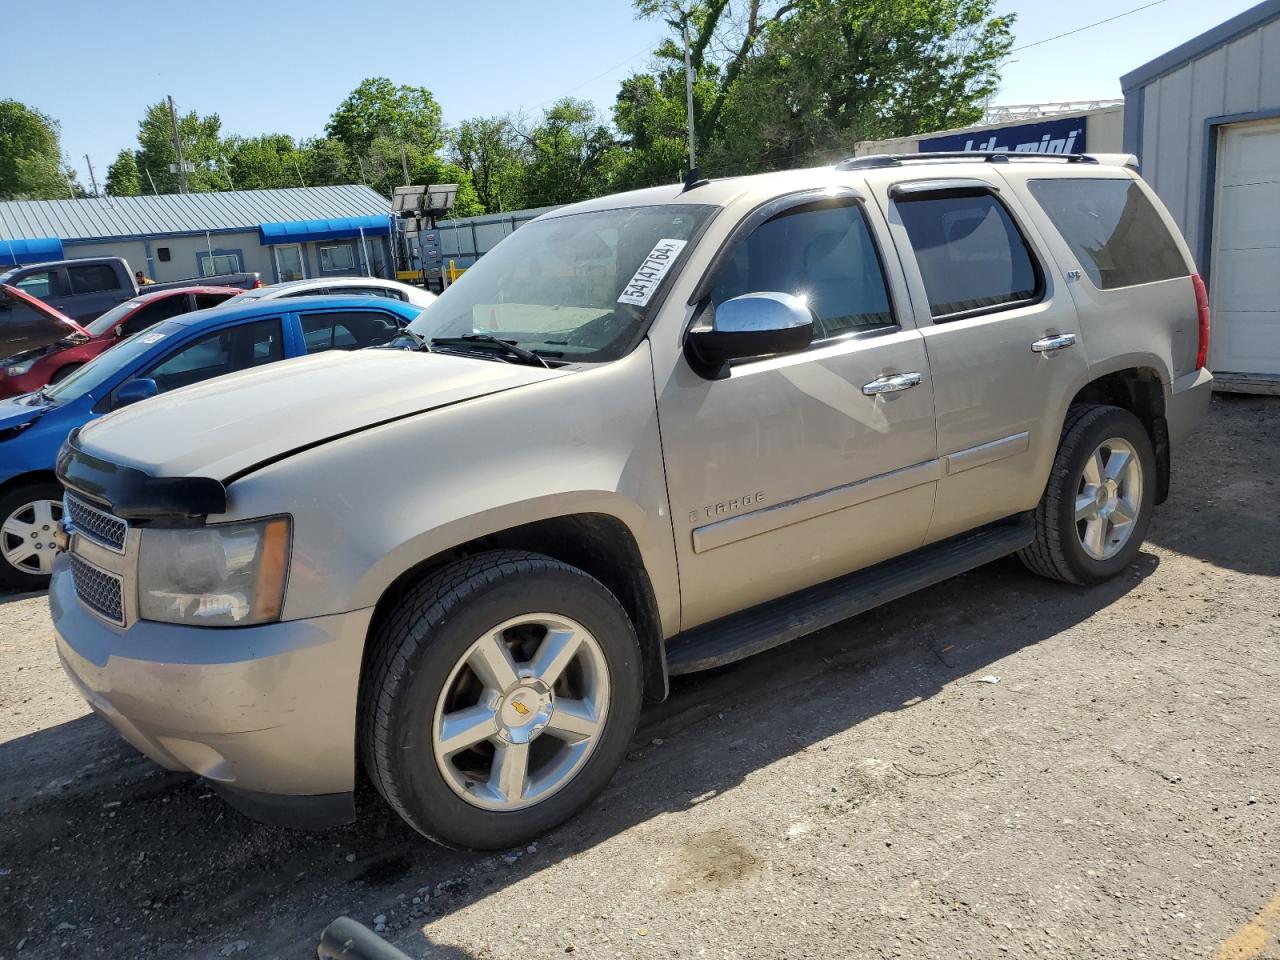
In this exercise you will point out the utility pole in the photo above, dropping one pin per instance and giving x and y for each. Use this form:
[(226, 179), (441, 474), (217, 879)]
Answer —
[(688, 90), (177, 149), (299, 170), (67, 177), (404, 164), (226, 171), (151, 180), (92, 179)]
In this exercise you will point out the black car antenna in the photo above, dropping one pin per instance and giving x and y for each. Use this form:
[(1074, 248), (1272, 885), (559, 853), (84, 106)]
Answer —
[(692, 180)]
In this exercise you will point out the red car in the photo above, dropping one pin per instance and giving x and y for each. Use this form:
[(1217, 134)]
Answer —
[(32, 369)]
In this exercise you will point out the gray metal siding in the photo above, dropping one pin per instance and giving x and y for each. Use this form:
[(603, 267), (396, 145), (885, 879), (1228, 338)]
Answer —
[(1237, 79), (190, 213)]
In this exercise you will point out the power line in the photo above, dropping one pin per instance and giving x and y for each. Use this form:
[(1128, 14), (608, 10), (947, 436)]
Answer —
[(604, 73), (1087, 26)]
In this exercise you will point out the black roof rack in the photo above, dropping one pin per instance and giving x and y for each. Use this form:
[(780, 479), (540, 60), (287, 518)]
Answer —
[(988, 156)]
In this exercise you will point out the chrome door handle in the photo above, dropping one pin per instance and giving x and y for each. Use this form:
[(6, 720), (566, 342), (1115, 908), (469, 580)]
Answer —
[(893, 384), (1055, 343)]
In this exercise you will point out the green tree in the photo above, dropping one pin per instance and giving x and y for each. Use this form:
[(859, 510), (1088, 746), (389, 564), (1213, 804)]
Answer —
[(490, 150), (378, 108), (269, 161), (570, 153), (201, 146), (324, 162), (31, 166), (123, 179)]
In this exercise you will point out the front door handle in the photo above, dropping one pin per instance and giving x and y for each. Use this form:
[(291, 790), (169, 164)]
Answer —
[(1055, 343), (893, 384)]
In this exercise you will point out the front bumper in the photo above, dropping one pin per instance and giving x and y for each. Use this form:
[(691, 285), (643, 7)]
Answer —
[(1189, 397), (267, 710)]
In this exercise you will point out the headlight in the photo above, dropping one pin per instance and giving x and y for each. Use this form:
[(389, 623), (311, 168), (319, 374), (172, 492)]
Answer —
[(18, 369), (229, 574)]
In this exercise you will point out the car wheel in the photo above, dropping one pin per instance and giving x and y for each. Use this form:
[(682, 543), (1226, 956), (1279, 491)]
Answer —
[(498, 698), (29, 515), (1095, 511), (63, 372)]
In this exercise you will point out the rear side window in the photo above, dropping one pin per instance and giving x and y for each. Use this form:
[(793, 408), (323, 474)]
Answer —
[(92, 278), (41, 285), (971, 254), (1113, 229), (347, 331), (822, 252)]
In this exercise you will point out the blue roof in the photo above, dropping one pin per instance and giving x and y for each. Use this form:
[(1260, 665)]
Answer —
[(36, 250), (100, 218), (230, 312), (330, 228)]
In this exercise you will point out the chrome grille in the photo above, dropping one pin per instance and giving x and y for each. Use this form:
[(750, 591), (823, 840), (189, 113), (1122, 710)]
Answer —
[(101, 592), (98, 525)]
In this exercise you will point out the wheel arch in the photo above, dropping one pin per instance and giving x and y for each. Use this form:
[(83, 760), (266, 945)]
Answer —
[(32, 476), (598, 543), (1141, 390)]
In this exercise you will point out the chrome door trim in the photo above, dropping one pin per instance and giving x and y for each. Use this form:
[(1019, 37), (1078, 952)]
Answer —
[(767, 519), (985, 453)]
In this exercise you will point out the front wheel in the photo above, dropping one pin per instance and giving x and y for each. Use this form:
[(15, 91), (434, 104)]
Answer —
[(63, 372), (1097, 506), (29, 515), (499, 698)]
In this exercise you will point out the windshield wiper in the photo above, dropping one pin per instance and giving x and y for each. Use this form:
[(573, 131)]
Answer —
[(483, 341)]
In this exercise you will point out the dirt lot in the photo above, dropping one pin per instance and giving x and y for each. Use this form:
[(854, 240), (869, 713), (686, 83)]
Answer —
[(997, 767)]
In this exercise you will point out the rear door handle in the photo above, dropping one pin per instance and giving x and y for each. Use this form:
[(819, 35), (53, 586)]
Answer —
[(1055, 343), (893, 384)]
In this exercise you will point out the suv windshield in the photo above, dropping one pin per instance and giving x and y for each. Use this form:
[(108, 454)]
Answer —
[(109, 363), (574, 288)]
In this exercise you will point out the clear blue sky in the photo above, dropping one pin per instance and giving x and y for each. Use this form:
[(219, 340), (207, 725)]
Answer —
[(283, 65)]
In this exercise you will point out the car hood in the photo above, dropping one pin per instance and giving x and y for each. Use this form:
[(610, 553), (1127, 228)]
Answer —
[(57, 325), (18, 411), (226, 426)]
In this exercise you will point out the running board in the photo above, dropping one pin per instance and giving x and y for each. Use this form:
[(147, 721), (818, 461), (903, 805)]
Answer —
[(780, 621)]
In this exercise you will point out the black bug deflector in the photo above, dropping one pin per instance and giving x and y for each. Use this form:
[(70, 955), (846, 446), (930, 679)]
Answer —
[(134, 495)]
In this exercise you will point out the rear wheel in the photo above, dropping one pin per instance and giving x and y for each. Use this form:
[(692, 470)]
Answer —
[(1097, 506), (499, 698), (29, 515)]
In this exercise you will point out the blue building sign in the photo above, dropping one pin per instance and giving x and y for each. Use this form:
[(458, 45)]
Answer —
[(1047, 136)]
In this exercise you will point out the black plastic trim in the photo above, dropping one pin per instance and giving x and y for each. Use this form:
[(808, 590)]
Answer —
[(780, 621), (134, 495), (312, 812)]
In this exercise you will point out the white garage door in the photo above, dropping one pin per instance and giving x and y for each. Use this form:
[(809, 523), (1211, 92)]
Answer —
[(1245, 272)]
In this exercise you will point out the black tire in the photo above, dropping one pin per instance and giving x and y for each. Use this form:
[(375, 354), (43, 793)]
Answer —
[(63, 372), (413, 654), (11, 577), (1057, 552)]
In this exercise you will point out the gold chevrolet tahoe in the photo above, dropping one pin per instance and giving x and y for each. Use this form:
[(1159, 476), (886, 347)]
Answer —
[(646, 435)]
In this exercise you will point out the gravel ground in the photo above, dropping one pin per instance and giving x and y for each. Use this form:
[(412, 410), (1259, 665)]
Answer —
[(996, 767)]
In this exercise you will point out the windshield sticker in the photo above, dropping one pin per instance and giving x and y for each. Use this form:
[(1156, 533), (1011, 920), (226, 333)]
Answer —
[(652, 269), (152, 338)]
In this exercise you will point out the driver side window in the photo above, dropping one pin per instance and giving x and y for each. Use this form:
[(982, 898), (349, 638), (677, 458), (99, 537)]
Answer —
[(153, 313), (218, 353), (824, 254)]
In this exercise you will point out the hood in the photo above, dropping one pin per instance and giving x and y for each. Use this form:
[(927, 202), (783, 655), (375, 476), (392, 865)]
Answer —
[(230, 424), (20, 412), (58, 324)]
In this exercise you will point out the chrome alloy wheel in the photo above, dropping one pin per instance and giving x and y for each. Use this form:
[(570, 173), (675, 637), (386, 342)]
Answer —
[(521, 712), (27, 537), (1108, 498)]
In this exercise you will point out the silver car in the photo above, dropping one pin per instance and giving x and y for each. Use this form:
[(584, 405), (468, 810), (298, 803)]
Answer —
[(646, 435)]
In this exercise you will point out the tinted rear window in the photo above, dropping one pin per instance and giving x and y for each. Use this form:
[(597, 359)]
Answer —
[(970, 252), (1113, 230)]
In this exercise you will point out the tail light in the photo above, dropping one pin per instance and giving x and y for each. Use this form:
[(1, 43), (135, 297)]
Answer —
[(257, 282), (1202, 310)]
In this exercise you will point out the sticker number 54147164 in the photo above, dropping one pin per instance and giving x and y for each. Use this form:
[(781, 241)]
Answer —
[(651, 271)]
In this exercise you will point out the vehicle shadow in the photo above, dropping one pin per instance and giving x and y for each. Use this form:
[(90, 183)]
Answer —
[(13, 596), (1222, 504), (129, 854)]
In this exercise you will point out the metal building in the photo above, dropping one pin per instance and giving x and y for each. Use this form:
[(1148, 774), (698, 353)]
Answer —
[(282, 234), (1204, 119)]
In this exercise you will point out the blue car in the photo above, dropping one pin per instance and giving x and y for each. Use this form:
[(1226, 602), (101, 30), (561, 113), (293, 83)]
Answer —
[(172, 354)]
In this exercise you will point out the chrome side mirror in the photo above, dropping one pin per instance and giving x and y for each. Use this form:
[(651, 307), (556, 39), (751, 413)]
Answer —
[(752, 325)]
